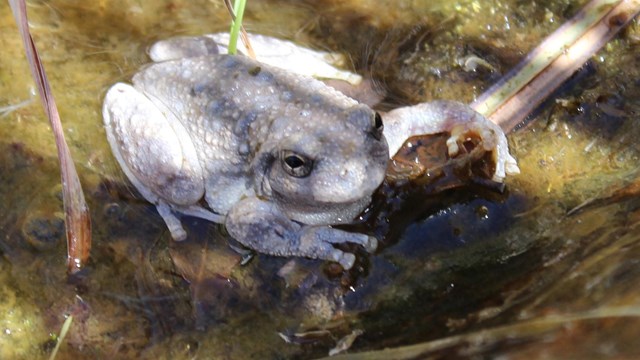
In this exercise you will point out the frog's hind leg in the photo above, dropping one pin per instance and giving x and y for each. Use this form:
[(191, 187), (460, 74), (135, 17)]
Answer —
[(173, 223), (454, 117), (200, 212), (157, 155), (181, 47)]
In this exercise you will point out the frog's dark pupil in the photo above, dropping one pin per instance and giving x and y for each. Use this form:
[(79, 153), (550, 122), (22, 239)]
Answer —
[(378, 121), (294, 161)]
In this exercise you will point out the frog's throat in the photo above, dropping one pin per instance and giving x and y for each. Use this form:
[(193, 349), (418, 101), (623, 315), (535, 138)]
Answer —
[(327, 213)]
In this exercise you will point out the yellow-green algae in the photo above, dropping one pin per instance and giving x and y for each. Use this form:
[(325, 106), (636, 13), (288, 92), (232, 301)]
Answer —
[(21, 325)]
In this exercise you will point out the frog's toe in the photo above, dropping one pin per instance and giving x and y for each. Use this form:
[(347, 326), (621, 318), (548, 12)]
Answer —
[(178, 234), (318, 242), (505, 163), (511, 166), (371, 245), (487, 137), (490, 138), (173, 223), (346, 260)]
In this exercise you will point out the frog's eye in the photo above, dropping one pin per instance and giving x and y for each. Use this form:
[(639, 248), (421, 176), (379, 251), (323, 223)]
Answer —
[(378, 126), (296, 165)]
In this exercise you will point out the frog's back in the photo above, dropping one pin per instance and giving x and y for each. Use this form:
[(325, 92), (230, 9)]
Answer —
[(228, 105), (233, 93), (209, 95)]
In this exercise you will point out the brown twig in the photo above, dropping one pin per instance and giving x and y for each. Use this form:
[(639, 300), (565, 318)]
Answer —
[(77, 219), (562, 53)]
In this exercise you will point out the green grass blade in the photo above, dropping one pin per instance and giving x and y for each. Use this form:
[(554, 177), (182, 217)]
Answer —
[(236, 25), (63, 332)]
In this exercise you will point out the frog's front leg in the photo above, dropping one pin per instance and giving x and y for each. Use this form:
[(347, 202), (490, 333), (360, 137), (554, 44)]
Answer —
[(457, 119), (155, 152), (260, 225)]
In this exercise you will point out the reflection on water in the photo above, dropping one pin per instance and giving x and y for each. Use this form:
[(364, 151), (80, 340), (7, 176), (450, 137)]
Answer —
[(462, 270)]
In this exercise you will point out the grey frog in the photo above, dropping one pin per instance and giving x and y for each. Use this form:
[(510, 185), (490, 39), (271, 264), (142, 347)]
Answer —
[(277, 157)]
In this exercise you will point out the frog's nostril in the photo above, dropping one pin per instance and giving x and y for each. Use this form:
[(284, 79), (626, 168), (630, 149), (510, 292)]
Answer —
[(378, 121), (378, 126)]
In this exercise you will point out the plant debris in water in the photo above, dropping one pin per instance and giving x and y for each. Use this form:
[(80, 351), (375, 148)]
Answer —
[(77, 220)]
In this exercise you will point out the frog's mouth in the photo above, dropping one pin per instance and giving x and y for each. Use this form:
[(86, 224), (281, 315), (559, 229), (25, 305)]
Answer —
[(334, 199), (327, 213), (349, 181)]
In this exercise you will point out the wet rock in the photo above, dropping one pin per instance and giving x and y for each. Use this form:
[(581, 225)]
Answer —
[(43, 231)]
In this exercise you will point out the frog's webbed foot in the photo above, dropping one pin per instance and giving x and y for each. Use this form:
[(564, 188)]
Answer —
[(260, 225), (318, 239), (490, 137), (460, 120)]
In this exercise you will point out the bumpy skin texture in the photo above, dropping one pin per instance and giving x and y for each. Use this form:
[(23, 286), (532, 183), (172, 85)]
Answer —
[(269, 149), (278, 157)]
